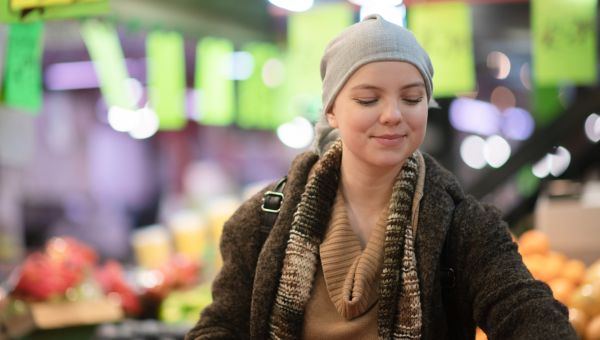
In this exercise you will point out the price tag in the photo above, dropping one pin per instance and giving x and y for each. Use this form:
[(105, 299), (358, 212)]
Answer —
[(166, 78), (23, 70), (213, 71), (22, 11), (445, 32), (105, 50), (564, 41), (257, 100)]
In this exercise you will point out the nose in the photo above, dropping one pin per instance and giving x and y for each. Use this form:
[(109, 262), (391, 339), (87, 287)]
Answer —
[(392, 114)]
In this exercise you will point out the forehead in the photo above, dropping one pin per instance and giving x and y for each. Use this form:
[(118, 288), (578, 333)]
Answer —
[(386, 73)]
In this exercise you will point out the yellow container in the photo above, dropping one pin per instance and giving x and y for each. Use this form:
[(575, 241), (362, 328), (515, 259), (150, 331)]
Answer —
[(151, 246)]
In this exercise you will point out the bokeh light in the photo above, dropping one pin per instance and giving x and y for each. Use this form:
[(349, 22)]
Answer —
[(592, 127), (471, 152), (517, 123), (500, 63), (496, 151), (296, 134)]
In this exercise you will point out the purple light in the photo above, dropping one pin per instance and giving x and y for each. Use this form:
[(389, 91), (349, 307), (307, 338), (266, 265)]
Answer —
[(475, 116), (71, 76), (80, 75), (517, 123)]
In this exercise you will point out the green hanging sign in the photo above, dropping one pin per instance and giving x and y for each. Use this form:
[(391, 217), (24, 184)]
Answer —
[(257, 94), (564, 41), (445, 32), (213, 81), (103, 45), (31, 11), (308, 34), (166, 78), (23, 69)]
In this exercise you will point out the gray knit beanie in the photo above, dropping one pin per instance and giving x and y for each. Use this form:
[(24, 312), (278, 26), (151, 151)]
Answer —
[(372, 39)]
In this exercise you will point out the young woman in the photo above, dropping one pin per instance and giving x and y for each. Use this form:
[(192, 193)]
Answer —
[(375, 240)]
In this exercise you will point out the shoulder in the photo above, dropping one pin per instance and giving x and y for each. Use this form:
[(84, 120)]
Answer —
[(440, 182)]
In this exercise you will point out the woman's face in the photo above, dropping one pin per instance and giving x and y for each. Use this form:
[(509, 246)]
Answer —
[(381, 114)]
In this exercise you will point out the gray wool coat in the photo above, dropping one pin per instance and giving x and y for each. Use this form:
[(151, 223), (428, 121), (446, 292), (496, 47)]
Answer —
[(493, 289)]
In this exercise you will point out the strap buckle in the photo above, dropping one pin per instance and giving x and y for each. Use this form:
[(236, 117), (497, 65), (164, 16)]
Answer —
[(277, 200)]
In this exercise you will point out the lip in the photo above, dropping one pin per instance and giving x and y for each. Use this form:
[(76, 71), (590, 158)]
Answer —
[(389, 139)]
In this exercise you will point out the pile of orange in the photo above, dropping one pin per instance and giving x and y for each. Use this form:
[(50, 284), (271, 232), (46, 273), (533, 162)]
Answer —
[(571, 283)]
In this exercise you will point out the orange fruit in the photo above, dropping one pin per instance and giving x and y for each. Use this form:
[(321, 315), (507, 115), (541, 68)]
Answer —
[(562, 289), (578, 320), (535, 263), (553, 265), (592, 331), (593, 273), (586, 298), (533, 242), (574, 270), (480, 335)]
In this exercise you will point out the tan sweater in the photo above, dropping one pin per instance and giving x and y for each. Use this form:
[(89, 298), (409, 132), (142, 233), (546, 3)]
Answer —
[(344, 300)]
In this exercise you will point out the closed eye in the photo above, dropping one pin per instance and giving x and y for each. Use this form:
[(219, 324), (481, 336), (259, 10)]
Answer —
[(365, 102), (413, 101)]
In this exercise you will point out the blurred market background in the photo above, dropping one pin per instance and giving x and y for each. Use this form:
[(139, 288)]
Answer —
[(131, 129)]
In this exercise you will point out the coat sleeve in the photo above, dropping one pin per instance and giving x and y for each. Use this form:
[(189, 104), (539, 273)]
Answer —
[(507, 302), (227, 317)]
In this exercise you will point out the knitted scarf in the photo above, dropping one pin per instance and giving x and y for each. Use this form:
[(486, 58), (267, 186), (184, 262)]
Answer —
[(399, 315)]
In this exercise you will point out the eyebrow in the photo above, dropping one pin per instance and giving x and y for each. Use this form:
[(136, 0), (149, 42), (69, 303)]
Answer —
[(373, 87)]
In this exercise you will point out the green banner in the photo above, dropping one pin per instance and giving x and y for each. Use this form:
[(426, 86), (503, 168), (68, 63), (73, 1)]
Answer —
[(308, 35), (564, 41), (103, 45), (213, 81), (445, 32), (256, 98), (23, 69), (76, 9), (166, 78)]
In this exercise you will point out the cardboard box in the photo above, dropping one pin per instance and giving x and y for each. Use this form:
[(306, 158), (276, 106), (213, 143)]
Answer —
[(572, 223), (51, 315)]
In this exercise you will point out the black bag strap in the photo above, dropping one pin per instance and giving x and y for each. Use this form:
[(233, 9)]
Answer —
[(271, 205), (448, 279)]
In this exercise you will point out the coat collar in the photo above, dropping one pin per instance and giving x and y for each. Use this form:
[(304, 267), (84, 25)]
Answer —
[(435, 216)]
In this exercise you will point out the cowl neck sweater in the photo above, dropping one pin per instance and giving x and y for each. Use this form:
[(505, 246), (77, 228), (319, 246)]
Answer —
[(399, 314)]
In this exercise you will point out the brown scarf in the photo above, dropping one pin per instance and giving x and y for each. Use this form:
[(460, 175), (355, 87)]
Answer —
[(399, 315)]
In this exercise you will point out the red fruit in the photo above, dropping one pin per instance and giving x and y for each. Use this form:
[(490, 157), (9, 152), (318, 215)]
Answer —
[(41, 278), (186, 271)]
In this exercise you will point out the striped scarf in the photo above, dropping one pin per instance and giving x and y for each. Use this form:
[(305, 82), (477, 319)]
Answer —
[(399, 315)]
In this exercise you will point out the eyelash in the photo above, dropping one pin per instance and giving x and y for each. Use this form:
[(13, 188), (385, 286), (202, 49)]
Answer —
[(373, 101)]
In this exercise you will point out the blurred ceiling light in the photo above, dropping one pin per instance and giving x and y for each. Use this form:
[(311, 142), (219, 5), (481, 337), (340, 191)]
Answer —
[(471, 152), (121, 119), (293, 5), (388, 3), (525, 76), (517, 123), (553, 163), (499, 62), (273, 72), (475, 116), (394, 14), (592, 127), (242, 65), (296, 134), (496, 151), (71, 76), (147, 124), (503, 98)]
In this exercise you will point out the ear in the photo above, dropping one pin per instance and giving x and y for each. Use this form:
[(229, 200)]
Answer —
[(332, 119)]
